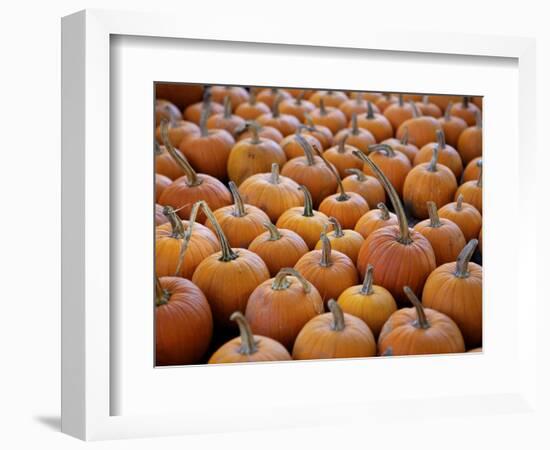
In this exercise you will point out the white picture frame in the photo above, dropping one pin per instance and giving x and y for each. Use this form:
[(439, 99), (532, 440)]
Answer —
[(89, 328)]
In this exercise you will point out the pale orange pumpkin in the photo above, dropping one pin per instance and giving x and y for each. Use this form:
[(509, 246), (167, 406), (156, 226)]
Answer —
[(194, 112), (398, 112), (292, 147), (342, 158), (464, 215), (266, 132), (385, 101), (355, 106), (161, 183), (402, 145), (226, 120), (330, 98), (472, 191), (347, 242), (177, 131), (394, 164), (446, 155), (374, 219), (356, 137), (428, 108), (319, 132), (328, 116), (452, 126), (269, 95), (165, 164), (285, 123), (236, 94), (421, 129), (465, 110), (470, 142), (297, 107), (366, 186), (443, 101), (376, 123), (252, 108), (471, 171)]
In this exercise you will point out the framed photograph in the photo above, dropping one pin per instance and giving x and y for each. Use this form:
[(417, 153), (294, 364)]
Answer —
[(252, 225)]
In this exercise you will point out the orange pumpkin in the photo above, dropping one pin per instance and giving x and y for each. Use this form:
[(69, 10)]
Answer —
[(226, 120), (445, 236), (342, 158), (355, 106), (278, 248), (366, 186), (419, 331), (374, 219), (368, 96), (248, 347), (236, 94), (165, 110), (293, 148), (330, 98), (472, 191), (398, 112), (465, 110), (377, 124), (178, 130), (297, 107), (356, 137), (263, 132), (328, 116), (443, 101), (464, 215), (319, 132), (455, 289), (452, 126), (334, 335), (285, 123), (428, 108), (401, 257), (165, 164), (281, 306), (161, 183), (471, 171), (372, 304), (394, 164), (252, 108), (183, 322), (330, 271), (470, 142), (347, 242), (385, 101), (269, 95), (182, 95), (194, 112), (421, 129), (225, 295), (402, 145), (446, 156)]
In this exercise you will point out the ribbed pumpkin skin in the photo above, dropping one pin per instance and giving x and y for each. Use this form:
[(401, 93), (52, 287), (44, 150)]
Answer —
[(308, 228), (236, 94), (281, 314), (447, 156), (193, 112), (348, 244), (161, 183), (458, 298), (183, 326), (403, 338), (217, 280), (353, 106), (370, 189), (298, 110), (285, 123), (334, 119), (332, 98), (422, 130), (379, 126), (348, 212), (429, 109), (397, 265), (167, 250), (343, 160), (265, 133), (268, 350), (230, 124), (468, 113), (472, 194), (322, 134), (251, 111), (467, 218), (397, 114), (165, 164), (470, 144), (471, 171), (447, 240), (452, 129), (372, 220), (396, 168), (293, 149), (361, 140), (318, 341)]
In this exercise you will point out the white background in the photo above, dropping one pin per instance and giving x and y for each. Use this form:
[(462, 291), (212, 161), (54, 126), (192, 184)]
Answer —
[(29, 317)]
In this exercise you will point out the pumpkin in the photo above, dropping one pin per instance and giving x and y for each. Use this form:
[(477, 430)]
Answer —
[(297, 107), (412, 97), (319, 132), (366, 186), (293, 148), (355, 106), (304, 93), (241, 223), (269, 95), (160, 218), (472, 191), (180, 246), (342, 158), (464, 215), (161, 183), (236, 95), (401, 257), (421, 129), (398, 112), (182, 95), (194, 112), (419, 331), (263, 132), (251, 156), (370, 303), (385, 101), (455, 289), (356, 137), (178, 130), (374, 219), (471, 171), (470, 142), (347, 242), (252, 108), (394, 164), (285, 123), (465, 110), (328, 116), (165, 164), (428, 181), (248, 347), (452, 126), (368, 96), (271, 192), (217, 274), (376, 123), (443, 101), (330, 271), (281, 306), (183, 322), (278, 248), (446, 156), (334, 335), (311, 171), (209, 151), (402, 145), (165, 110), (428, 108), (444, 235), (306, 222), (330, 98), (226, 120), (188, 189)]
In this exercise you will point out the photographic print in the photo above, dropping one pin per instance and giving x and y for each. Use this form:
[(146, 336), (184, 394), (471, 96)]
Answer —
[(312, 224)]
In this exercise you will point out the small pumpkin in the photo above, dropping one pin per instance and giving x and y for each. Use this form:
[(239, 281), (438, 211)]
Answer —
[(398, 112), (165, 110), (446, 156), (445, 236), (334, 335), (236, 94), (455, 289), (376, 123), (465, 110), (421, 129), (374, 219), (161, 183), (471, 171), (368, 96), (428, 181), (297, 107), (306, 222), (330, 98), (225, 295), (160, 218), (370, 303), (194, 112), (330, 271), (165, 164), (428, 108), (293, 148), (341, 157), (470, 142), (443, 101), (401, 257), (248, 347), (226, 120), (183, 322), (472, 191), (281, 306), (356, 137), (394, 164), (266, 132), (285, 123), (319, 132), (452, 126), (269, 95), (347, 242), (278, 248), (402, 145), (385, 101), (252, 108), (328, 116), (178, 130), (366, 186), (464, 215), (355, 106), (419, 331)]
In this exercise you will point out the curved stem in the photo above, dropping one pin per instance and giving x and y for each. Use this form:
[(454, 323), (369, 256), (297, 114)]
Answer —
[(239, 209), (384, 211), (322, 108), (248, 345), (434, 216), (342, 144), (421, 319), (338, 323), (415, 111), (448, 111), (432, 167), (308, 202), (370, 111), (186, 238), (275, 108), (274, 178), (181, 161), (342, 196), (306, 147), (464, 258), (354, 125), (280, 281), (441, 139), (459, 201), (386, 148), (325, 251), (175, 222), (405, 137), (404, 235), (274, 233), (480, 176), (337, 227), (366, 289), (161, 295), (358, 173), (255, 128), (205, 113), (227, 107), (228, 254)]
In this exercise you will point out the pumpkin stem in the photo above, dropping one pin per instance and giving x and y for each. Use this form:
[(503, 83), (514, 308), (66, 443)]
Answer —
[(308, 202), (248, 344), (405, 137), (161, 295), (274, 233), (252, 97), (421, 319), (465, 102), (309, 122), (281, 283), (342, 197), (432, 167), (342, 144), (337, 227), (354, 125), (366, 289), (275, 108), (186, 238), (274, 178), (404, 235), (326, 251), (400, 100), (205, 113), (175, 222), (448, 111), (357, 172), (464, 259), (227, 107), (322, 108), (255, 128), (181, 161), (299, 98), (384, 211), (370, 111), (434, 216), (478, 118), (459, 201), (227, 254), (440, 139), (386, 148), (338, 323), (415, 111), (480, 177), (239, 209)]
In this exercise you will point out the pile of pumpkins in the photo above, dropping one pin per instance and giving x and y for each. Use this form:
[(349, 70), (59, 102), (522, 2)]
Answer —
[(284, 221)]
